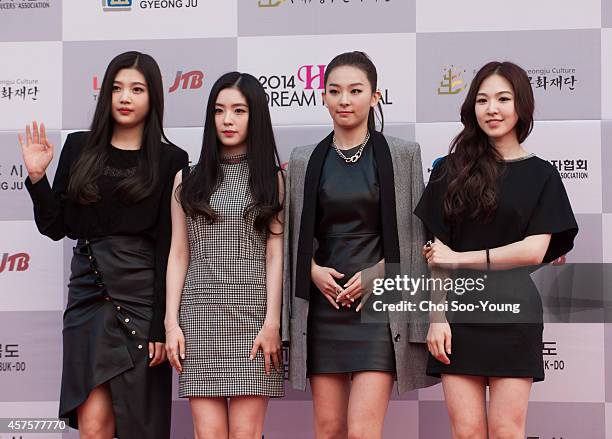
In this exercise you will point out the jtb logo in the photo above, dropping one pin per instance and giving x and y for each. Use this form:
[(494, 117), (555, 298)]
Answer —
[(16, 262), (190, 80), (195, 76)]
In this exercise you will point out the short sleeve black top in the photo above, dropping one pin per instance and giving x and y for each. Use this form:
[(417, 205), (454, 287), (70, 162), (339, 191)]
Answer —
[(57, 215), (531, 200)]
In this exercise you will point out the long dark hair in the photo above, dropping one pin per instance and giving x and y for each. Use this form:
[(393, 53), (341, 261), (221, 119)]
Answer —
[(90, 165), (363, 62), (473, 164), (262, 156)]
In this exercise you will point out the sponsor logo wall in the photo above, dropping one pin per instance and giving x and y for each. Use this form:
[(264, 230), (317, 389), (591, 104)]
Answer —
[(31, 269), (15, 201), (564, 76), (30, 355), (31, 83), (427, 54), (189, 68), (294, 80), (43, 17), (150, 19), (306, 17), (445, 16)]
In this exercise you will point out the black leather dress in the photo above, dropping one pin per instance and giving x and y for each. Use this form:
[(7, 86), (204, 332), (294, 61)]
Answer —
[(349, 238)]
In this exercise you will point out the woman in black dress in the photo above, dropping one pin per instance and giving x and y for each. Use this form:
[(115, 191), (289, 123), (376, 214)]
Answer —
[(111, 193), (349, 222), (493, 207)]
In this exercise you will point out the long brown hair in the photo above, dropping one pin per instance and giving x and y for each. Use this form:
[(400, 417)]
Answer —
[(473, 164)]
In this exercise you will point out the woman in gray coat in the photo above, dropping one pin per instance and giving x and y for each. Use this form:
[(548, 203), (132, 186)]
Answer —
[(350, 209)]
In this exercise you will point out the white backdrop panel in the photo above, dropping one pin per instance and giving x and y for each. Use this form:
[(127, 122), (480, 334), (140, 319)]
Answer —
[(30, 84), (104, 20), (31, 269), (483, 15)]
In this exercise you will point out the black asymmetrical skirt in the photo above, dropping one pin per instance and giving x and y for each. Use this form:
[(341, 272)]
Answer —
[(105, 336)]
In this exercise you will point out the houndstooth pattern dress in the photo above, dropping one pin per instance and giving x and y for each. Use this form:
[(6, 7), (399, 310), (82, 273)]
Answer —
[(223, 304)]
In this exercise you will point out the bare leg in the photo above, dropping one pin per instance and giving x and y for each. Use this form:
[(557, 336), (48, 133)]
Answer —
[(95, 415), (246, 416), (330, 394), (509, 398), (466, 404), (209, 418), (368, 402)]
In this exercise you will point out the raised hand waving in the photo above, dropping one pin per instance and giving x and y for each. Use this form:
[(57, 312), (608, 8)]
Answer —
[(37, 151)]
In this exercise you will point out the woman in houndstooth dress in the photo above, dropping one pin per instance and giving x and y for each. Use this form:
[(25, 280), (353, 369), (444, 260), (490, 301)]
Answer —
[(224, 284)]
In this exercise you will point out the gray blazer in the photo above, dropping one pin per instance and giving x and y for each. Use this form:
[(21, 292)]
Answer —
[(408, 333)]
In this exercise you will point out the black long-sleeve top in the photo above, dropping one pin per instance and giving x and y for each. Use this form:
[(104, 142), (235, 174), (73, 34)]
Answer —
[(58, 216)]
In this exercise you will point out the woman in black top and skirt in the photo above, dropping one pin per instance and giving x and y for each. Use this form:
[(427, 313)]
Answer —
[(494, 210), (111, 193), (348, 222)]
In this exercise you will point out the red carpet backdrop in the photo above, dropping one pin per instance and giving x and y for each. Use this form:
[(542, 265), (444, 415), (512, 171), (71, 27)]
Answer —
[(53, 54)]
